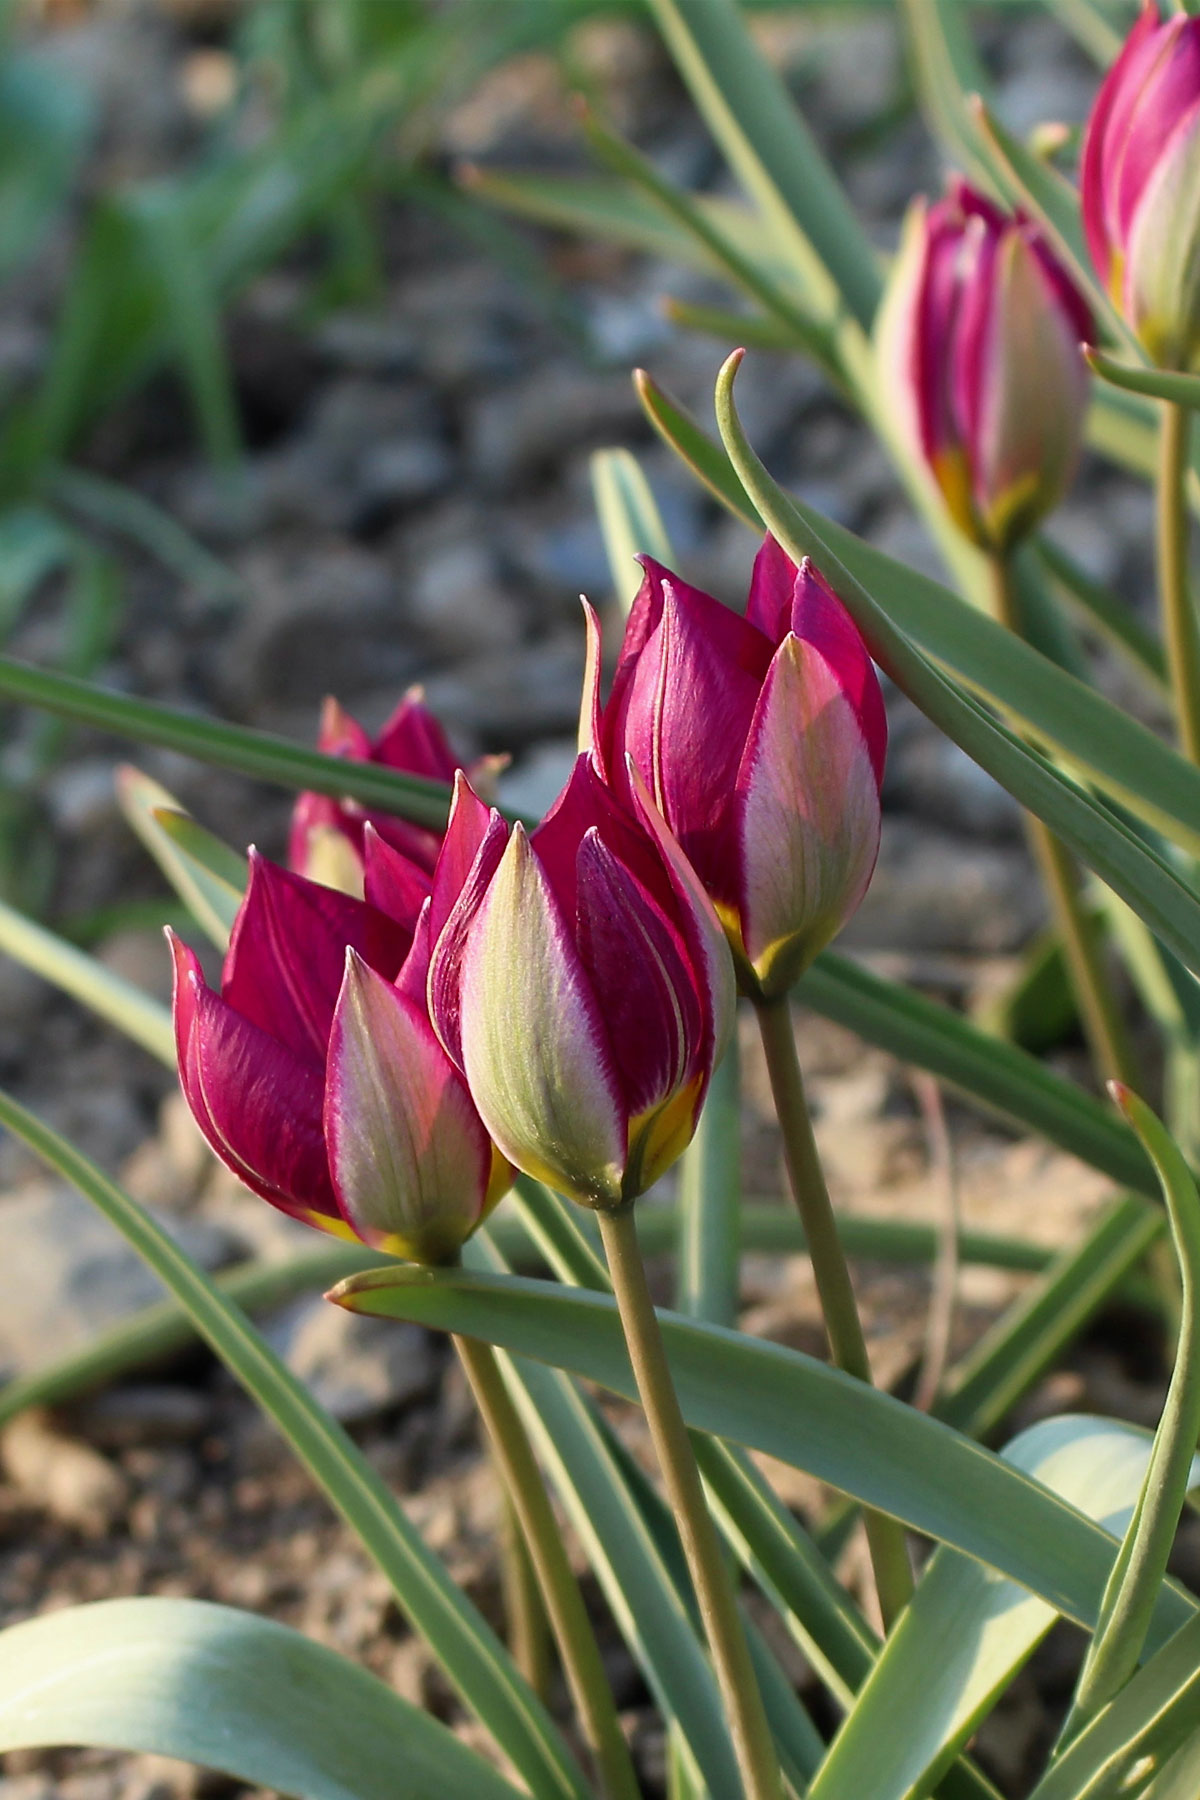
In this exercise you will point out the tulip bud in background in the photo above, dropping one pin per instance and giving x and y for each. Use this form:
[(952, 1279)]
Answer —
[(1140, 180), (316, 1076), (978, 343), (326, 841), (581, 981), (762, 741)]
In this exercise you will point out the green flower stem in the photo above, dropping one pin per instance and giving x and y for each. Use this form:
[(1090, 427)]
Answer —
[(1180, 626), (1141, 1564), (755, 1749), (560, 1590), (523, 1607), (1098, 1010), (885, 1538)]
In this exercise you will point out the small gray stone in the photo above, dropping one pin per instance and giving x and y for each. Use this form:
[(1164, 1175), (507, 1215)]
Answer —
[(69, 1274), (457, 600), (355, 1366), (74, 1483), (931, 891), (401, 471)]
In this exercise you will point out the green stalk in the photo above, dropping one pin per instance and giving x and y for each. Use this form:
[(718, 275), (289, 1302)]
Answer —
[(523, 1608), (1141, 1564), (848, 1346), (1098, 1011), (560, 1590), (1180, 627), (755, 1749)]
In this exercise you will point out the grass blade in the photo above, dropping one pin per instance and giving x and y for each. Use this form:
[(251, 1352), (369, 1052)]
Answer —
[(226, 1689), (473, 1658)]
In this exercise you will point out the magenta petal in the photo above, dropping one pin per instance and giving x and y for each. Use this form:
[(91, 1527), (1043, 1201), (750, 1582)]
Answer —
[(973, 350), (391, 883), (820, 619), (341, 735), (1105, 134), (410, 1157), (642, 976), (414, 742), (589, 705), (470, 822), (474, 844), (1160, 98), (586, 803), (413, 979), (283, 970), (772, 583), (687, 712), (708, 948), (258, 1105)]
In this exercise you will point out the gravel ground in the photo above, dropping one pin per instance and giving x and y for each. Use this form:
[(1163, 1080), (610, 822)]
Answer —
[(416, 507)]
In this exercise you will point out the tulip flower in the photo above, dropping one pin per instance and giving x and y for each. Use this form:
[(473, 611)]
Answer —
[(1140, 179), (580, 980), (762, 741), (326, 841), (979, 347), (316, 1076)]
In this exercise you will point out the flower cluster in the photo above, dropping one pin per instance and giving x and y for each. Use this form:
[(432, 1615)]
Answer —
[(378, 1062)]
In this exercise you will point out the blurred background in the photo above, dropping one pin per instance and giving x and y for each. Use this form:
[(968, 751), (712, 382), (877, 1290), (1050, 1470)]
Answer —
[(287, 408)]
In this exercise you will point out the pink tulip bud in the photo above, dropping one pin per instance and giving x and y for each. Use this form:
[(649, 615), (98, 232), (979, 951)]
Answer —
[(326, 841), (316, 1076), (979, 342), (762, 741), (580, 980), (1141, 186)]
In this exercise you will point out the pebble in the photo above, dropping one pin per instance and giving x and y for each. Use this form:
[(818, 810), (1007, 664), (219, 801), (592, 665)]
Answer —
[(355, 1366), (74, 1483), (70, 1275)]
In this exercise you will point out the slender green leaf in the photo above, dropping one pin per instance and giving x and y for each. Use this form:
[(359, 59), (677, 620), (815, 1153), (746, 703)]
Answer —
[(1003, 1079), (47, 117), (471, 1655), (573, 1443), (1137, 1734), (710, 1194), (122, 509), (1179, 1775), (772, 152), (1160, 384), (230, 1691), (259, 754), (596, 207), (947, 70), (776, 1400), (811, 333), (1051, 199), (101, 990), (1029, 1338), (1105, 745), (159, 1331), (1107, 612), (755, 330), (1138, 1572), (209, 878), (629, 519), (968, 1630), (190, 303), (33, 544), (1135, 872), (1092, 26)]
